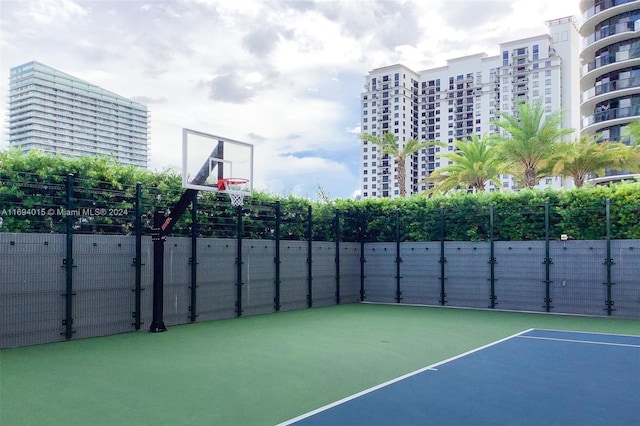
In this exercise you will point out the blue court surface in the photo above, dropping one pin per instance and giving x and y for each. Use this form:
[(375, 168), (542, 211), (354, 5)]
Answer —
[(537, 377)]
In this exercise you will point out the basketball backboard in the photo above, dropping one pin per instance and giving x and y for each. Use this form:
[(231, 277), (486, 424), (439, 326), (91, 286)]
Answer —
[(209, 161)]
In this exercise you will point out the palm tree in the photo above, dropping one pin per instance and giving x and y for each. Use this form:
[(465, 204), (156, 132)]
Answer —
[(473, 165), (532, 141), (390, 146), (634, 131), (585, 155)]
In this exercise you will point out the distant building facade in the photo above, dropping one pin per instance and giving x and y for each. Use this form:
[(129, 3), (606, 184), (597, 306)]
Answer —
[(451, 102), (610, 56), (60, 114)]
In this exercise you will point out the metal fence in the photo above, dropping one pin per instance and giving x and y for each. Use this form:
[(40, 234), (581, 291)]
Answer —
[(583, 280), (39, 305), (79, 262)]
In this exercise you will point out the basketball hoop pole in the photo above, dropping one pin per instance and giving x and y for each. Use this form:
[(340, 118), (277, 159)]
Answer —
[(158, 238), (162, 226)]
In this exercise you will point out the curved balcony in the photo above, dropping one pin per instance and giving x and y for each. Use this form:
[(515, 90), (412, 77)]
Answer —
[(607, 63), (625, 31), (604, 10), (620, 27), (617, 88), (609, 118)]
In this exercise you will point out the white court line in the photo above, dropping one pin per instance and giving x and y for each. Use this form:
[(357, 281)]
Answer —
[(580, 341), (587, 332), (397, 379)]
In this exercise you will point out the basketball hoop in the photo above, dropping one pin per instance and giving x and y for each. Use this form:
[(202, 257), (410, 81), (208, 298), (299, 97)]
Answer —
[(236, 188)]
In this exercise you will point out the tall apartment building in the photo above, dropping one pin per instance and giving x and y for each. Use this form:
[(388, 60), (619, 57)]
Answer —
[(463, 97), (60, 114), (610, 56)]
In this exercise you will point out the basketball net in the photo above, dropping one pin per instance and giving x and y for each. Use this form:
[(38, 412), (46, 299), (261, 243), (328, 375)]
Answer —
[(236, 189)]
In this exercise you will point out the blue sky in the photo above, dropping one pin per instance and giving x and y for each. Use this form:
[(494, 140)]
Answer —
[(285, 75)]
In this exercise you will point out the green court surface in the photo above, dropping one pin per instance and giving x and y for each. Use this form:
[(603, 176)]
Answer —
[(258, 370)]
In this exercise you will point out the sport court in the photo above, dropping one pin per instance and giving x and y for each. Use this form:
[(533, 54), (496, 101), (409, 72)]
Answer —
[(483, 367), (534, 377), (267, 369)]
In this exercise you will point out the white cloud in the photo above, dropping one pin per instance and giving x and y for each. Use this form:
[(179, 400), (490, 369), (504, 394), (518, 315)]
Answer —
[(53, 11)]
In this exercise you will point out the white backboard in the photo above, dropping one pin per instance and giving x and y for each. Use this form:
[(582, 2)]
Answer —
[(208, 158)]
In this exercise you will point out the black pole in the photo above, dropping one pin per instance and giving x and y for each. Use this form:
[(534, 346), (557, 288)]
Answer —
[(362, 257), (443, 260), (609, 261), (362, 276), (137, 261), (492, 260), (193, 260), (547, 259), (337, 231), (398, 258), (68, 263), (309, 258), (276, 260), (157, 324), (239, 231)]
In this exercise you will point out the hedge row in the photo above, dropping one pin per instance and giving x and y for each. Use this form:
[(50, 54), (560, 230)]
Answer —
[(37, 181)]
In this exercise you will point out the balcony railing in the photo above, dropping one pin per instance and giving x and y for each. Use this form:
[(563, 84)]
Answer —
[(619, 28), (612, 114), (603, 5), (612, 58), (621, 84)]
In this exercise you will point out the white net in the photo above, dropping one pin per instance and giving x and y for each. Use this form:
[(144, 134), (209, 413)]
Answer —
[(237, 198), (236, 189)]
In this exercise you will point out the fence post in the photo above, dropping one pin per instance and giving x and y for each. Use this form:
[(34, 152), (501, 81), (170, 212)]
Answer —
[(492, 260), (193, 260), (276, 260), (309, 258), (337, 232), (362, 258), (239, 232), (443, 260), (547, 259), (609, 261), (398, 258), (68, 262), (137, 261)]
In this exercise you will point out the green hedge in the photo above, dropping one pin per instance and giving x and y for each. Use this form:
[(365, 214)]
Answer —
[(38, 181)]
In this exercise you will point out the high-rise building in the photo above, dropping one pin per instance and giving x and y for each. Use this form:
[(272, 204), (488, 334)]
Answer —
[(610, 82), (60, 114), (463, 97)]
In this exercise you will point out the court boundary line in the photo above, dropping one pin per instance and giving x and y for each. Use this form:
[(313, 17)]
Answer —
[(398, 379), (588, 342), (471, 308), (586, 332)]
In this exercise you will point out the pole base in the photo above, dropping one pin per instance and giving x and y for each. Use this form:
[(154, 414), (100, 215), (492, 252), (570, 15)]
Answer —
[(157, 327)]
